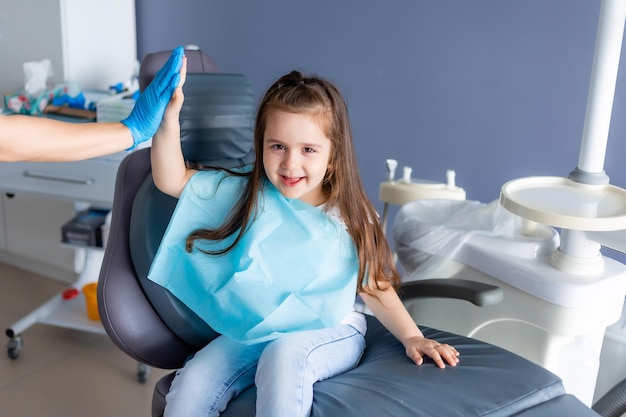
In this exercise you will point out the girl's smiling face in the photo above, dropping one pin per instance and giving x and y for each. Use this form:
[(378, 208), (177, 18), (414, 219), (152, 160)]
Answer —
[(296, 153)]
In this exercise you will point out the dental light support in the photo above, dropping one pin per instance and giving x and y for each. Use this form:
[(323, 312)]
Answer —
[(585, 206), (608, 47)]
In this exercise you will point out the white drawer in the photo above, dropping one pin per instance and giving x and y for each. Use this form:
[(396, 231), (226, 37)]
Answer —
[(91, 181)]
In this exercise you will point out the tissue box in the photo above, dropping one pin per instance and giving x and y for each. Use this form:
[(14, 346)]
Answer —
[(21, 103), (85, 229)]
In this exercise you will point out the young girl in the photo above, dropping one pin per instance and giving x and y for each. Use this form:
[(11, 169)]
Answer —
[(297, 237)]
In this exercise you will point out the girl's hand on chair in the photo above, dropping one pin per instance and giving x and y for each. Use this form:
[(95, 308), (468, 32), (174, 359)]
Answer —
[(416, 347)]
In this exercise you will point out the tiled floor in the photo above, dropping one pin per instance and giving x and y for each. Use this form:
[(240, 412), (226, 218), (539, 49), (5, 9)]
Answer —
[(62, 372)]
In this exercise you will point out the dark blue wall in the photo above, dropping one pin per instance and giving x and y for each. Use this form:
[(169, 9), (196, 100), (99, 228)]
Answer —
[(493, 89)]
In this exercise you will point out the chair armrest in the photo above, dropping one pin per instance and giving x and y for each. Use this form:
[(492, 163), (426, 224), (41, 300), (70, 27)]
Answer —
[(477, 293)]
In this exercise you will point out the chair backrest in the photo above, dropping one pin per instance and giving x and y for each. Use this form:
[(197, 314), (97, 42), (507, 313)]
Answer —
[(126, 313), (216, 130)]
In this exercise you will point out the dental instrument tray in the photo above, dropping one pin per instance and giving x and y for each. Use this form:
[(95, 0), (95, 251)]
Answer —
[(561, 202)]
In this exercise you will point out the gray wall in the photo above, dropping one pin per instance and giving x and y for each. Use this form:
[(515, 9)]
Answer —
[(494, 89)]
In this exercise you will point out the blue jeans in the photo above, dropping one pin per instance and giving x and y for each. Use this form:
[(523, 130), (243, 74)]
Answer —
[(284, 371)]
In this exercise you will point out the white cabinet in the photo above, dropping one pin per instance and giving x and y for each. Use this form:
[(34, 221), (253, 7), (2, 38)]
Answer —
[(32, 234), (92, 42), (44, 196)]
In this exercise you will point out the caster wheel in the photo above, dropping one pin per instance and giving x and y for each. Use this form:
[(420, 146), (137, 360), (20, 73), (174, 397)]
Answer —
[(14, 347)]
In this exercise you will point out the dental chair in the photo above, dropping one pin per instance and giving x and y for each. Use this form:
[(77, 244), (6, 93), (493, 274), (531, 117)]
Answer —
[(151, 326)]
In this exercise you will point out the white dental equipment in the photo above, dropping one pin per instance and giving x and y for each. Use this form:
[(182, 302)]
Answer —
[(408, 189), (560, 293), (590, 211)]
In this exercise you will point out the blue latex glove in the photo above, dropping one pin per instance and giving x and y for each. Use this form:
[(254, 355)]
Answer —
[(145, 118)]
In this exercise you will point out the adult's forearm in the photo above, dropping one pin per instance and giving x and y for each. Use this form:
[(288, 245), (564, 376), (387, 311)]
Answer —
[(25, 138)]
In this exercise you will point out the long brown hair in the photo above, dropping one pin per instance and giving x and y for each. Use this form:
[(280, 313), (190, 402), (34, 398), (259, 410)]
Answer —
[(342, 184)]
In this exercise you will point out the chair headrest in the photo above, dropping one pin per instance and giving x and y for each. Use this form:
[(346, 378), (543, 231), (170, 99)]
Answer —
[(197, 62), (217, 120)]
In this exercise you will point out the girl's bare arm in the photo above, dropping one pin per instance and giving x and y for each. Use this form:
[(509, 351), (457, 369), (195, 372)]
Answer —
[(169, 171), (390, 311)]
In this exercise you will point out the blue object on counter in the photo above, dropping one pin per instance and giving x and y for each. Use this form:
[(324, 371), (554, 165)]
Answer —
[(77, 102), (117, 88)]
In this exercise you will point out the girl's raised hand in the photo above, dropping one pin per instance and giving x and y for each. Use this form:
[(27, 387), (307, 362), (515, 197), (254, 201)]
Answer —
[(145, 118), (176, 103)]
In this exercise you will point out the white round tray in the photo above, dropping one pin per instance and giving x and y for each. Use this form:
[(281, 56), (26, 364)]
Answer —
[(561, 202)]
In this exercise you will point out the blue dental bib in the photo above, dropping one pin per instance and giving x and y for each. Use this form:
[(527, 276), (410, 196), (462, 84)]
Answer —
[(294, 269)]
